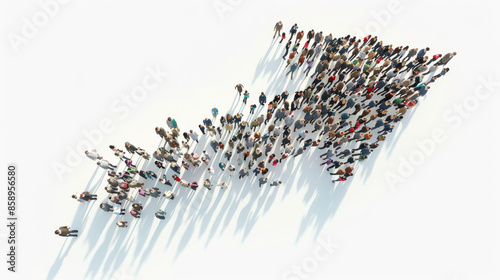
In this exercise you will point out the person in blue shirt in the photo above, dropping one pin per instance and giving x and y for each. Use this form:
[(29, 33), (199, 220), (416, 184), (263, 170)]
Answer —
[(160, 214), (293, 30), (275, 183), (262, 181), (252, 108), (215, 112), (222, 166)]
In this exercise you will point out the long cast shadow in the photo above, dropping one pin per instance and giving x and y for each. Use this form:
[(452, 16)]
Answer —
[(198, 207)]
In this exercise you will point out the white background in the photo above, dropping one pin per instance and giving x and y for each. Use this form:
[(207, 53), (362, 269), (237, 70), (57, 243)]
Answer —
[(66, 77)]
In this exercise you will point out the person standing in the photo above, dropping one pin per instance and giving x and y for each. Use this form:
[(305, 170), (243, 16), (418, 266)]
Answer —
[(293, 30), (298, 124), (122, 224), (318, 37), (65, 231), (262, 98), (277, 28), (210, 171), (410, 54), (222, 166), (130, 148), (85, 196), (93, 155), (239, 88), (291, 58), (292, 70), (283, 37), (299, 37), (243, 172), (445, 59), (215, 112), (287, 48), (310, 34), (169, 195), (106, 165), (245, 96), (275, 183), (194, 136), (106, 207), (202, 128), (165, 181), (310, 64), (252, 108), (160, 214), (262, 181), (422, 52)]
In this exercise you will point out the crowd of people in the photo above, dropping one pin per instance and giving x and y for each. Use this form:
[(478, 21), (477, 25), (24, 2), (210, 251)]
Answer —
[(358, 91)]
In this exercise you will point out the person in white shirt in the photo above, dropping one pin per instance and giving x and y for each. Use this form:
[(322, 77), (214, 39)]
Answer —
[(93, 155), (194, 135), (105, 164), (210, 171)]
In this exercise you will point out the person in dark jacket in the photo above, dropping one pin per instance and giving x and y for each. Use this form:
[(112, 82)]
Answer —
[(85, 196), (411, 54), (243, 172), (262, 98), (202, 128), (262, 181), (293, 68), (106, 207), (422, 52), (239, 88), (445, 59), (293, 30), (287, 48), (160, 214)]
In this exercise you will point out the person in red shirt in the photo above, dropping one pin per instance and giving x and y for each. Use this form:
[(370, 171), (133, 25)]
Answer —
[(434, 58), (246, 154), (365, 40), (176, 178), (330, 80), (409, 103), (306, 45), (283, 36)]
